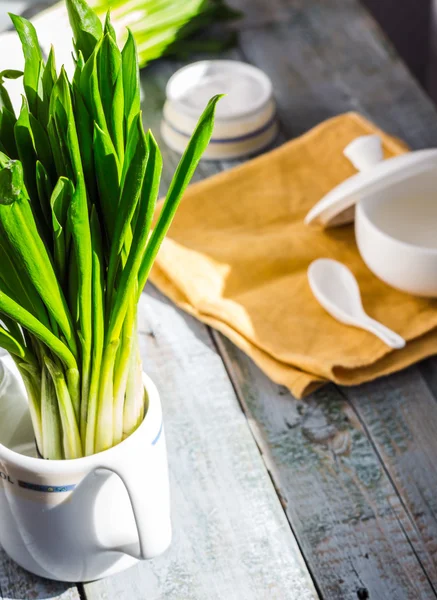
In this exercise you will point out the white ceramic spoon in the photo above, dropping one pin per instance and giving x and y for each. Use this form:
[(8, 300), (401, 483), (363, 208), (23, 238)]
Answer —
[(336, 289)]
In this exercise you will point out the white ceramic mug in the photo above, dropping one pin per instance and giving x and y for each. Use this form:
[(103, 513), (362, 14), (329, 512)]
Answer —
[(83, 519)]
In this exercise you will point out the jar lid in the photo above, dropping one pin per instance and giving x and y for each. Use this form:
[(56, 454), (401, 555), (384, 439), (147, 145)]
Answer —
[(245, 120), (375, 174), (247, 88)]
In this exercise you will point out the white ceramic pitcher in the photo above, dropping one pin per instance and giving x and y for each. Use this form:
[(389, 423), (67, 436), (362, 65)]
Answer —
[(83, 519)]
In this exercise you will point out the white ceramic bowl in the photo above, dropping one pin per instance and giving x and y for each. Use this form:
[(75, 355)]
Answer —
[(396, 233)]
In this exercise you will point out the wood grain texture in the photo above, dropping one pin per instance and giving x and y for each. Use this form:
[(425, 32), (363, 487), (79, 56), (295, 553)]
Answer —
[(231, 537), (17, 584), (354, 530), (399, 414)]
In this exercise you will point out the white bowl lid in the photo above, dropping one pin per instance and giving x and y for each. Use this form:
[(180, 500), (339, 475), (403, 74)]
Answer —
[(248, 88), (376, 174)]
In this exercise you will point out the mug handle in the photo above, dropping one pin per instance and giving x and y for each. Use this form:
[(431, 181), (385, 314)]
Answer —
[(140, 521), (152, 519)]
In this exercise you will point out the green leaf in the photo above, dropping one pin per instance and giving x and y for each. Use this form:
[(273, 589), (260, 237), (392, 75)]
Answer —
[(48, 81), (81, 239), (89, 412), (15, 282), (127, 285), (131, 81), (132, 181), (9, 343), (10, 74), (80, 63), (64, 131), (7, 135), (89, 87), (42, 144), (44, 188), (62, 162), (84, 125), (108, 178), (186, 168), (60, 202), (33, 65), (86, 26), (13, 310), (18, 226), (108, 27), (11, 182), (27, 154), (111, 91)]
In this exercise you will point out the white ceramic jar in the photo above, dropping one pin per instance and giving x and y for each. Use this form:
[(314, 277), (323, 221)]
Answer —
[(245, 118), (83, 519), (394, 205)]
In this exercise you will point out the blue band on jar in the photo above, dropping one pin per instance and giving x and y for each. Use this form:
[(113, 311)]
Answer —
[(234, 140)]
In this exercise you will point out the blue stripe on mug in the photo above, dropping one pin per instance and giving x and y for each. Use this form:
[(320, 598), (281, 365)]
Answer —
[(49, 489), (234, 140), (56, 489)]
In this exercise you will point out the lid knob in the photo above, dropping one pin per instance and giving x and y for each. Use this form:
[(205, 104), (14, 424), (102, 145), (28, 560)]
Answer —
[(365, 152)]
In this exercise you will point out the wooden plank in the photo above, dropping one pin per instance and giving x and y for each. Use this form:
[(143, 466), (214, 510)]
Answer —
[(17, 584), (231, 537), (352, 527), (399, 414), (331, 57)]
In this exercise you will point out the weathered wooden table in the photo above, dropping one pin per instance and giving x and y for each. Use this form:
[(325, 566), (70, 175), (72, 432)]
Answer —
[(274, 498)]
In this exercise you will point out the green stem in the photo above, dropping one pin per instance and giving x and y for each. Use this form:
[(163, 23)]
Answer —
[(33, 386), (72, 442), (134, 406), (104, 433), (122, 370), (51, 422)]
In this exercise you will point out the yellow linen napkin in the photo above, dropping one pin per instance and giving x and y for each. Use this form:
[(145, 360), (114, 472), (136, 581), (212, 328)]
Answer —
[(237, 255)]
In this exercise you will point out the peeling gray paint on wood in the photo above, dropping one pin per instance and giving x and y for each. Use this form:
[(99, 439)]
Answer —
[(231, 537)]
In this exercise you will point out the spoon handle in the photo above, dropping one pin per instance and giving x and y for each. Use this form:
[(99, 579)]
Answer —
[(385, 334)]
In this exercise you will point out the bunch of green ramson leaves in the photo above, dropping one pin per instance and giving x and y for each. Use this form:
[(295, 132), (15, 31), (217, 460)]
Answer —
[(79, 180)]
